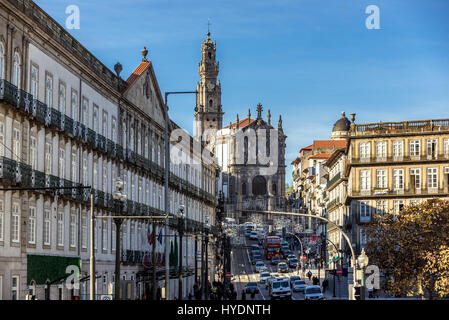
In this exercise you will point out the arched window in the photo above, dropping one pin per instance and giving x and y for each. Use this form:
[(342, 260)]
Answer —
[(211, 103), (259, 186), (244, 188), (1, 60), (16, 70)]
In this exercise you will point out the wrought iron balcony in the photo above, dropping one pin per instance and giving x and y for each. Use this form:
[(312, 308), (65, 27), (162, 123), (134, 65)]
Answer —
[(7, 169), (25, 101), (8, 92), (68, 126), (111, 149), (91, 138), (38, 179), (52, 118), (101, 143), (39, 110), (333, 180), (51, 181), (23, 174), (82, 132)]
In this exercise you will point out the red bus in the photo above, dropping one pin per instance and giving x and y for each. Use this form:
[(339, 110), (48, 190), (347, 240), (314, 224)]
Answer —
[(272, 246)]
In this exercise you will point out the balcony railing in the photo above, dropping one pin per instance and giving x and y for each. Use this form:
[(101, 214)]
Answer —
[(402, 159), (333, 180), (401, 192), (402, 127)]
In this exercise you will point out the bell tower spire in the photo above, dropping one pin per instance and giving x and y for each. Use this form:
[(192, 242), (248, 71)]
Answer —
[(208, 110)]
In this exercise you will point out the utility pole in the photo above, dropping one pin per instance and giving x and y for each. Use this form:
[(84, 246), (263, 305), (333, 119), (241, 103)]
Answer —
[(92, 246)]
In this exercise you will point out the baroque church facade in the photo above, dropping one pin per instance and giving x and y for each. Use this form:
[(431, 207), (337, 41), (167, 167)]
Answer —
[(250, 152)]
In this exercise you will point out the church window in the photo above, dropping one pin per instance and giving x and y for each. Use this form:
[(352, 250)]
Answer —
[(211, 103), (259, 186), (244, 188)]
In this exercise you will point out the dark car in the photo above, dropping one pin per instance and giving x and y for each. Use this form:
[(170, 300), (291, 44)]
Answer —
[(254, 247), (286, 253), (293, 262), (255, 259), (255, 253), (293, 279), (275, 260), (282, 267), (251, 287)]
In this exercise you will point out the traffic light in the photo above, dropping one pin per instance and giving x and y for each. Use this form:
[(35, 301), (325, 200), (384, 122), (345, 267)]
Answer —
[(75, 298)]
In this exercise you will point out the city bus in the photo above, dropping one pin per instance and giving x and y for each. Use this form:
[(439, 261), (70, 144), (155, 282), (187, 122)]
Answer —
[(272, 246)]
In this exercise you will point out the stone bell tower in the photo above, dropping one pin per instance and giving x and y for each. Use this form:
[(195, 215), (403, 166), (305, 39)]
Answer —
[(208, 110)]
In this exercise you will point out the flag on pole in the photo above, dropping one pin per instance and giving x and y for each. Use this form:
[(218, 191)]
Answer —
[(159, 237), (150, 236)]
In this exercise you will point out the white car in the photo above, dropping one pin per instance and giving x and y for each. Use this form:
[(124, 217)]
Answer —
[(280, 289), (264, 276), (260, 265), (299, 286), (313, 293)]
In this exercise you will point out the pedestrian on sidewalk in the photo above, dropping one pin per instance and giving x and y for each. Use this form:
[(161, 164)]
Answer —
[(309, 275), (243, 295), (325, 284)]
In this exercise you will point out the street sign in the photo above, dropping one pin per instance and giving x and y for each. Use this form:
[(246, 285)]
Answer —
[(339, 272), (313, 238), (228, 274), (106, 297)]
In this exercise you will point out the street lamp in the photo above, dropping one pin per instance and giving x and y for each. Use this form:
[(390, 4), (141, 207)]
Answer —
[(206, 277), (119, 198), (180, 215), (363, 262)]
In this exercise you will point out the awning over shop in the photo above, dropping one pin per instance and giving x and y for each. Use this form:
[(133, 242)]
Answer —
[(41, 268)]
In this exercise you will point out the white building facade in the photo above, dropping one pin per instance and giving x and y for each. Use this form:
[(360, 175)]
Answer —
[(67, 120)]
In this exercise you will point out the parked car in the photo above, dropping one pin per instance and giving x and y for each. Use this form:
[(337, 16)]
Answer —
[(313, 293), (251, 287), (260, 265), (299, 286), (264, 276), (282, 267), (275, 260)]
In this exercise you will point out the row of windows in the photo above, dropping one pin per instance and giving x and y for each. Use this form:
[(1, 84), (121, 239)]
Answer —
[(398, 178), (367, 207), (60, 219), (397, 148)]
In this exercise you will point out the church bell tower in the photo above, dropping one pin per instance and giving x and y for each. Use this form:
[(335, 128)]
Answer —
[(208, 110)]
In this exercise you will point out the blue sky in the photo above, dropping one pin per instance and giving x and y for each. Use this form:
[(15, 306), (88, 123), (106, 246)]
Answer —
[(307, 60)]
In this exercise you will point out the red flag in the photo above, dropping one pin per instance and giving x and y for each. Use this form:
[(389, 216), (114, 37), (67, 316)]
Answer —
[(152, 238)]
